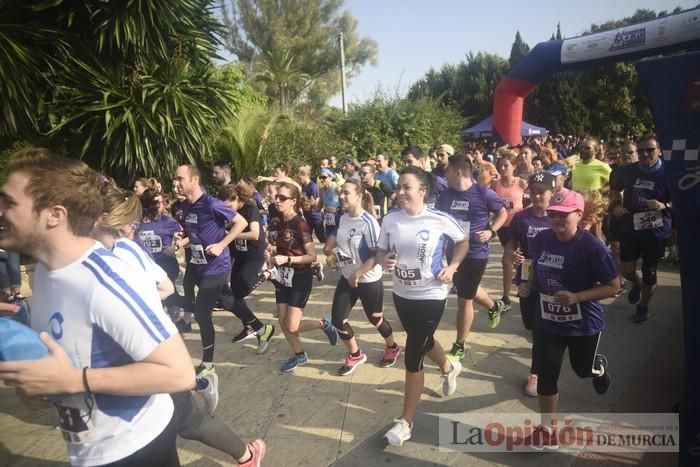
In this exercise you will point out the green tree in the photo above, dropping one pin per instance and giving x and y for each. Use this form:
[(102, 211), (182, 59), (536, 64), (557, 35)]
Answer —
[(128, 86), (518, 50), (303, 30)]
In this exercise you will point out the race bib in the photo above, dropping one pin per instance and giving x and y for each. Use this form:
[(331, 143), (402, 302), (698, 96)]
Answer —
[(525, 269), (198, 256), (284, 275), (329, 218), (241, 244), (72, 424), (377, 211), (408, 276), (273, 236), (153, 243), (465, 226), (556, 312), (647, 220), (343, 259), (508, 203)]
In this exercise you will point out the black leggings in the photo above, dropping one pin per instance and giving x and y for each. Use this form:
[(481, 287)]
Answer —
[(192, 423), (161, 452), (528, 307), (244, 275), (371, 295), (548, 351), (210, 289), (420, 319)]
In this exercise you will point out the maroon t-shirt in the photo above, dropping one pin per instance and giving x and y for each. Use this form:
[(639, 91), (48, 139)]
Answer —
[(292, 235)]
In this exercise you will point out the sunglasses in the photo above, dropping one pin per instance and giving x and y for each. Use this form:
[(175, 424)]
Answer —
[(557, 214), (322, 177), (282, 198), (646, 150), (362, 174)]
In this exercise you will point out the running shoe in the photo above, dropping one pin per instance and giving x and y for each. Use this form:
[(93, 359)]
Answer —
[(531, 386), (18, 297), (264, 338), (257, 452), (209, 391), (330, 330), (246, 333), (506, 304), (317, 269), (449, 380), (183, 326), (495, 313), (456, 353), (400, 432), (542, 437), (601, 383), (351, 363), (391, 355), (292, 364), (634, 294), (641, 315), (202, 371)]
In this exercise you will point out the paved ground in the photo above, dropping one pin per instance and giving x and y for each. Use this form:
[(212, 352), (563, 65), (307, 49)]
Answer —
[(316, 418)]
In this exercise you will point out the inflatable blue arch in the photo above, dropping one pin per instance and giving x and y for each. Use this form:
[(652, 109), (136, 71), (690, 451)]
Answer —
[(667, 34)]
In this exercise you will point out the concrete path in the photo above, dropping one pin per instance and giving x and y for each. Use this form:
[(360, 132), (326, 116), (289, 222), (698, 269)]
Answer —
[(315, 418)]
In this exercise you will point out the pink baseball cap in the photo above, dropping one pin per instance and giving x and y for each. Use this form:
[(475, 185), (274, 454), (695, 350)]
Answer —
[(566, 201)]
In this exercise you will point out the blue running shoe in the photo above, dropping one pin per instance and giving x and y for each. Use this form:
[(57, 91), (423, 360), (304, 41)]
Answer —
[(330, 331), (634, 294), (292, 364), (641, 315)]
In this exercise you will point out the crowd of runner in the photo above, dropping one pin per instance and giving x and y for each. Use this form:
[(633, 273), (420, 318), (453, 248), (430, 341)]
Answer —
[(573, 217)]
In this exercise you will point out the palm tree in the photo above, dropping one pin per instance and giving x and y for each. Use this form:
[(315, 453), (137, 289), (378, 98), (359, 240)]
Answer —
[(128, 86), (277, 69)]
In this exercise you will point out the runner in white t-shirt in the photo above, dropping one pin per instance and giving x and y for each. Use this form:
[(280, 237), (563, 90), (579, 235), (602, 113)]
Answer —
[(113, 353), (411, 245), (354, 248)]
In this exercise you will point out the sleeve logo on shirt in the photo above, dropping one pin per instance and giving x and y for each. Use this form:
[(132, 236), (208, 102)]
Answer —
[(191, 218), (551, 261)]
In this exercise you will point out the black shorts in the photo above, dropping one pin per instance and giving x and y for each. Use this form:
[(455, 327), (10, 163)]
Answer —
[(650, 249), (468, 277), (298, 294), (244, 274), (161, 452), (504, 235), (371, 295)]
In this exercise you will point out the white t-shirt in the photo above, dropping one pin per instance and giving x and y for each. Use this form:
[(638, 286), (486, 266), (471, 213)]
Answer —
[(356, 238), (104, 314), (133, 255), (418, 242)]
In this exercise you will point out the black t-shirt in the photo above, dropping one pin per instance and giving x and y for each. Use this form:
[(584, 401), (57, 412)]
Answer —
[(241, 248), (381, 195)]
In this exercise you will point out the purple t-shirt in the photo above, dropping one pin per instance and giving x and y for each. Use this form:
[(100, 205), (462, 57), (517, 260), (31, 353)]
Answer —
[(155, 236), (471, 208), (312, 216), (524, 227), (205, 224), (647, 185), (575, 266)]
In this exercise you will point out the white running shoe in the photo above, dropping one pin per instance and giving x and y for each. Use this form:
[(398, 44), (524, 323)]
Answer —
[(400, 432), (210, 394), (449, 380)]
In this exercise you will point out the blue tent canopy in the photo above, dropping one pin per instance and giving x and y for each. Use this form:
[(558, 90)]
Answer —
[(484, 129)]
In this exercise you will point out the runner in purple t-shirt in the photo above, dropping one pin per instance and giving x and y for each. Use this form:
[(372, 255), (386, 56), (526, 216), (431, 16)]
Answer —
[(524, 228), (209, 265), (471, 204), (571, 271), (643, 211)]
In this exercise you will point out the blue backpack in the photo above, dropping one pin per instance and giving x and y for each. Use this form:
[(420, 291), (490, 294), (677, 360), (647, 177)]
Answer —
[(19, 342)]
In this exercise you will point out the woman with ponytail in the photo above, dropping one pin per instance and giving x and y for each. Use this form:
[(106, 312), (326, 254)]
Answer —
[(293, 256), (354, 248)]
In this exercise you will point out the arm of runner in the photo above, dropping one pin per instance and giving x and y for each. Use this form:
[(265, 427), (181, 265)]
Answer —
[(165, 288), (166, 369), (328, 247), (367, 266), (308, 258), (238, 223), (253, 233), (461, 249), (599, 292)]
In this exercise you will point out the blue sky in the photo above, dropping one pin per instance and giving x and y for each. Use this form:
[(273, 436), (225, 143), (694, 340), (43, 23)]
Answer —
[(415, 35)]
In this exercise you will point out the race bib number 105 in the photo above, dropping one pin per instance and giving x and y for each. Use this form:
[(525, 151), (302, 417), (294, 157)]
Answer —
[(408, 276)]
